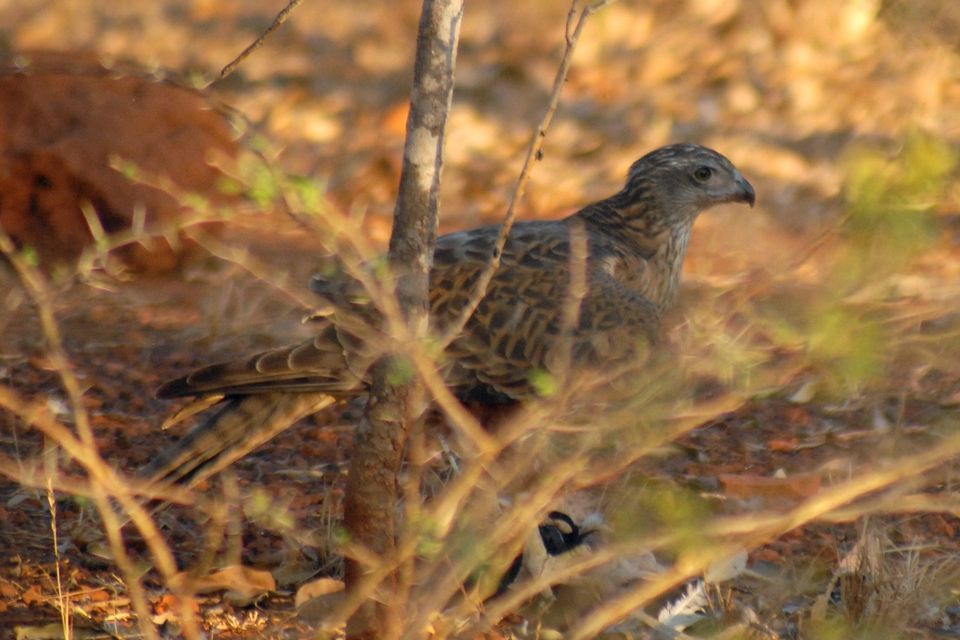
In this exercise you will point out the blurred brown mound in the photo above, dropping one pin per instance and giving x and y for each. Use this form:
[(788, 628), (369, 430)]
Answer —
[(63, 118)]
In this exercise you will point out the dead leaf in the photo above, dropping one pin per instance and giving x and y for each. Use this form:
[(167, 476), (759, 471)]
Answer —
[(783, 445), (317, 610), (805, 393), (789, 488), (241, 584), (165, 608), (32, 595), (294, 572), (318, 588), (395, 119), (769, 555), (726, 569), (7, 590), (99, 595), (168, 603), (54, 631)]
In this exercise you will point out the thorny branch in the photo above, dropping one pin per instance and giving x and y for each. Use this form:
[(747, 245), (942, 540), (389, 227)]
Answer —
[(105, 483)]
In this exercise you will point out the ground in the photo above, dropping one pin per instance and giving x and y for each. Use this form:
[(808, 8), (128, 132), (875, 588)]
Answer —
[(837, 341)]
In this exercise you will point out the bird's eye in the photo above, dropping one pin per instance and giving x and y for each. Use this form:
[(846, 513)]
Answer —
[(702, 174)]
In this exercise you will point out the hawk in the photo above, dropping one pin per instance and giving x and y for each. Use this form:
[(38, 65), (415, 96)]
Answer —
[(634, 243)]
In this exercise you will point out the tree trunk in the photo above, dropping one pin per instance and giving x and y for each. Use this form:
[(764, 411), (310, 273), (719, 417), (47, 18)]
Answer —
[(370, 507)]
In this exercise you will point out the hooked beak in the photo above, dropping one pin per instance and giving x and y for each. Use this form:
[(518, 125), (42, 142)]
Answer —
[(746, 194)]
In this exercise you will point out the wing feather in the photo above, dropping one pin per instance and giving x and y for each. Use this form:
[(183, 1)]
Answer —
[(514, 331)]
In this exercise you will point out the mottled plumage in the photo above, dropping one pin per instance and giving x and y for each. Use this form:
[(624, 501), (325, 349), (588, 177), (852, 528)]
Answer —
[(635, 239)]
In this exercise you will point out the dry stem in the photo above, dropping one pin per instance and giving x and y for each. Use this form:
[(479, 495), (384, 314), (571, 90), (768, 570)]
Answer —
[(256, 44), (533, 154)]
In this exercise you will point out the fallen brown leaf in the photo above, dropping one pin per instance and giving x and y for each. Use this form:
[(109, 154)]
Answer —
[(790, 488), (784, 445), (99, 595), (7, 590), (317, 588), (32, 595), (241, 584)]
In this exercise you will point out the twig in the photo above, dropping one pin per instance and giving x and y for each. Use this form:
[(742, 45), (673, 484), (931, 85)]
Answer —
[(354, 251), (722, 535), (265, 273), (533, 154), (488, 449), (35, 475), (63, 601), (105, 483), (573, 301), (751, 531), (256, 44)]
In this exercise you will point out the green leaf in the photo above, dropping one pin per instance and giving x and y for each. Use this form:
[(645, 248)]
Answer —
[(399, 371), (542, 382), (29, 255)]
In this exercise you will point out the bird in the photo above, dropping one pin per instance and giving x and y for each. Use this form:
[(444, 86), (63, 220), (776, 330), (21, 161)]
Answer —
[(634, 240), (556, 535)]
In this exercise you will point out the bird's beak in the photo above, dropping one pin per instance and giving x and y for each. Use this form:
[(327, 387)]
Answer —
[(747, 194)]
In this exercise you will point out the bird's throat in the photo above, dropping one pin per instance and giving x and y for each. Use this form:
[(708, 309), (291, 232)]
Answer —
[(667, 266)]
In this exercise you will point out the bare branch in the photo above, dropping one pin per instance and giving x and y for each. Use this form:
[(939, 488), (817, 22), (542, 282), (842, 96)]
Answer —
[(752, 531), (533, 154), (83, 448), (394, 401), (256, 44)]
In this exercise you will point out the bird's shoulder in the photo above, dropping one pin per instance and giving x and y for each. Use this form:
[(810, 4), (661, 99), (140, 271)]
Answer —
[(533, 265), (528, 245)]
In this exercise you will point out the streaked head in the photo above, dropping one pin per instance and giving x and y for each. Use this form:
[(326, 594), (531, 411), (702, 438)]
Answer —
[(682, 180)]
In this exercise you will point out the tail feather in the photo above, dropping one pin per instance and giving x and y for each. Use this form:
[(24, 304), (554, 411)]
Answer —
[(241, 425)]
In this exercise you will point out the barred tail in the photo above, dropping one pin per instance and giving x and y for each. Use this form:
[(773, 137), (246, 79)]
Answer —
[(239, 427)]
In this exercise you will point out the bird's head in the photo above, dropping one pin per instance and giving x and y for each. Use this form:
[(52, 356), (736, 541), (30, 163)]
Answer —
[(679, 181)]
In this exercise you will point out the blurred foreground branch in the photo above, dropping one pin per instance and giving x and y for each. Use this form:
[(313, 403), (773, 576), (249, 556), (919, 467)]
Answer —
[(396, 400), (105, 484)]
